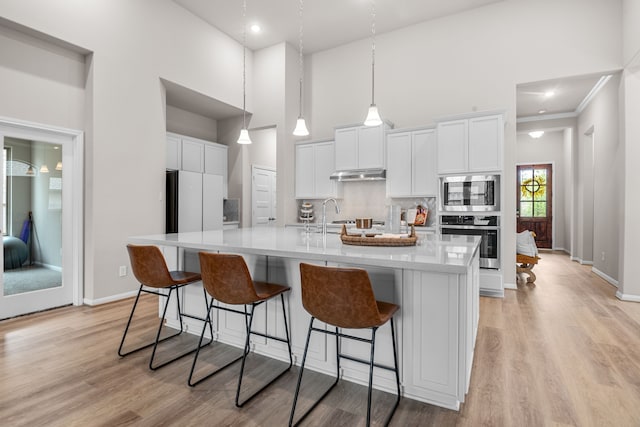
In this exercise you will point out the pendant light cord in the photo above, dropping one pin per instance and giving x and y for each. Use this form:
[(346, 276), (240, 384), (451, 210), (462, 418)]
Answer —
[(244, 64), (373, 50), (300, 59)]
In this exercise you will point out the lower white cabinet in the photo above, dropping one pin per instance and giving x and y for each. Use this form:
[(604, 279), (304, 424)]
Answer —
[(411, 163), (314, 166)]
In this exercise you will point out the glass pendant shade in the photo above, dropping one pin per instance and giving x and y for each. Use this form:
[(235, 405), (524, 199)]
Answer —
[(373, 117), (59, 166), (301, 128), (30, 171), (244, 137), (44, 169)]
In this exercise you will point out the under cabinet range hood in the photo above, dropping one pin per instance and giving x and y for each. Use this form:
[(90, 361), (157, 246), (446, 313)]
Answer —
[(360, 175)]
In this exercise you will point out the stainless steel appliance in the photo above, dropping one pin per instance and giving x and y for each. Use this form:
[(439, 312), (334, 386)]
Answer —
[(479, 193), (487, 227)]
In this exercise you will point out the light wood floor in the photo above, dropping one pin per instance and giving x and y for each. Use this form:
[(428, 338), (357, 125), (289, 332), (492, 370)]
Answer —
[(564, 352)]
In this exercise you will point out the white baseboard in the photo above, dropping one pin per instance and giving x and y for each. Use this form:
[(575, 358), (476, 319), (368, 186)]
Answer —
[(627, 297), (606, 277), (581, 261), (492, 293), (510, 286), (111, 298)]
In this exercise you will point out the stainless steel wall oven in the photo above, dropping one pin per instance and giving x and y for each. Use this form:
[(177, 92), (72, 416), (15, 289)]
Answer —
[(487, 227), (478, 193)]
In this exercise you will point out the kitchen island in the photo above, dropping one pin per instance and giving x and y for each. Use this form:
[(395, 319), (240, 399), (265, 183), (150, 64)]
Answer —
[(436, 284)]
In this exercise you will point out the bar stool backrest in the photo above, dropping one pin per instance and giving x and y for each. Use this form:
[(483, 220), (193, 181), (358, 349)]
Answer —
[(148, 266), (227, 278), (341, 297)]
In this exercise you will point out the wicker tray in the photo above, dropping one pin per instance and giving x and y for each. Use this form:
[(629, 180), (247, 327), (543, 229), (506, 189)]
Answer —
[(370, 240)]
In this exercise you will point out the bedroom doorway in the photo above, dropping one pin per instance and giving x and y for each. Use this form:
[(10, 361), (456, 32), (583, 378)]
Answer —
[(534, 202), (42, 248), (32, 216)]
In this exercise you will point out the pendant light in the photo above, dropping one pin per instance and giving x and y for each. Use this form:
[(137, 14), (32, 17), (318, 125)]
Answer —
[(44, 169), (301, 126), (373, 116), (244, 133)]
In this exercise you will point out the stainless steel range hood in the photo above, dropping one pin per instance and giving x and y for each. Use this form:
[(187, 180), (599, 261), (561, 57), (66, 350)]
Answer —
[(360, 175)]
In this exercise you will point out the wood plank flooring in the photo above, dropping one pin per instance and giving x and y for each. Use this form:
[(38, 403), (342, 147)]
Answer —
[(563, 352)]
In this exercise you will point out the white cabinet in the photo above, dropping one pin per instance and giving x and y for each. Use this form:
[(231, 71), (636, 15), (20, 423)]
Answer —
[(470, 145), (200, 204), (174, 152), (192, 156), (452, 146), (360, 147), (196, 155), (486, 136), (215, 163), (314, 165), (411, 164)]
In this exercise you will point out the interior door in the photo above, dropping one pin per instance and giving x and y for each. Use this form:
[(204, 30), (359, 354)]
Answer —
[(33, 240), (535, 209), (263, 196)]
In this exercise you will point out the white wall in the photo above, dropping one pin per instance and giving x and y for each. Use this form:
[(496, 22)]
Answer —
[(465, 61), (568, 144), (40, 81), (134, 44), (191, 124), (630, 30), (547, 149), (607, 165)]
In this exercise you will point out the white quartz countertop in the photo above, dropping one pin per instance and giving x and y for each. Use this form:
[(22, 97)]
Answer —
[(446, 254)]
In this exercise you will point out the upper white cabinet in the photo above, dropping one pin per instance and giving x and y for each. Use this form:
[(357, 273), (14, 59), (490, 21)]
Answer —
[(416, 149), (192, 156), (174, 152), (314, 165), (360, 147), (196, 155), (470, 145), (215, 163)]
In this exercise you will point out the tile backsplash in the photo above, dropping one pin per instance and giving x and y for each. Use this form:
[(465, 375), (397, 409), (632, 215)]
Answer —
[(368, 199)]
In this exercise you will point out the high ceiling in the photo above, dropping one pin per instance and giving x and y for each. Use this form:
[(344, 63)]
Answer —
[(327, 23), (568, 94), (331, 23)]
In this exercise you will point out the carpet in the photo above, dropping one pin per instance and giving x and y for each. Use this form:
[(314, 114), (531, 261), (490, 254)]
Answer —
[(29, 279)]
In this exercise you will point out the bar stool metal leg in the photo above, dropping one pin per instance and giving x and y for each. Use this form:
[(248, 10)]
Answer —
[(247, 348), (304, 358), (133, 309)]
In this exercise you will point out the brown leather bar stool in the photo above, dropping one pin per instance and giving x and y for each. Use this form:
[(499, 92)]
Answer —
[(343, 298), (150, 269), (227, 279)]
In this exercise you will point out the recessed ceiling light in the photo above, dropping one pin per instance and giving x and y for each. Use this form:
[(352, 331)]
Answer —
[(255, 28), (549, 94), (536, 134), (542, 111)]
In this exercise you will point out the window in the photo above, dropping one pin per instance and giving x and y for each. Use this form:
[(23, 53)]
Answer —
[(533, 193)]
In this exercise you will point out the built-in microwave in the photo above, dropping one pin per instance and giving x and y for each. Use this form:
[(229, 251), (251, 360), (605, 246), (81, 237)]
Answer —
[(470, 193)]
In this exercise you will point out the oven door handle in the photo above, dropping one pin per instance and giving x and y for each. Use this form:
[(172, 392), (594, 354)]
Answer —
[(470, 227)]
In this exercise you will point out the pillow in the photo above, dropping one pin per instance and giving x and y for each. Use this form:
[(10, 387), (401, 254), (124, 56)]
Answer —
[(526, 244)]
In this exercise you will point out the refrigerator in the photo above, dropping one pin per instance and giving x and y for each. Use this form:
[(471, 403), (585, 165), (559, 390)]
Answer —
[(193, 201)]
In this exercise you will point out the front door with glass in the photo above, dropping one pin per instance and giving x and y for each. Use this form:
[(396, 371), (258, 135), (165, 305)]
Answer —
[(535, 210)]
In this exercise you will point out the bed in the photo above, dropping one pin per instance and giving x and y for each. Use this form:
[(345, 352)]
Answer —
[(526, 254)]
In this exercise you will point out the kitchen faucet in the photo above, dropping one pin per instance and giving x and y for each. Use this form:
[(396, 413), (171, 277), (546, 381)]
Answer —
[(324, 214)]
